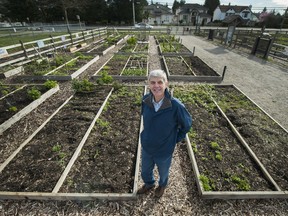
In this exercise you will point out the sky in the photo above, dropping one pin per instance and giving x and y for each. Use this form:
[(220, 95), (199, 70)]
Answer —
[(279, 5)]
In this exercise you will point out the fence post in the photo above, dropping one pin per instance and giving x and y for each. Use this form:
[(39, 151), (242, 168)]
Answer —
[(52, 41), (83, 35), (23, 47), (92, 34)]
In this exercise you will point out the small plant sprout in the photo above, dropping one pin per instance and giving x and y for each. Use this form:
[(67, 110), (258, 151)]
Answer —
[(218, 155), (242, 184), (215, 146), (205, 183), (13, 109)]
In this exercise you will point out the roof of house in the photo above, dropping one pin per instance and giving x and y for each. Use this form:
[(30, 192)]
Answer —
[(158, 9), (236, 8), (233, 19), (186, 8)]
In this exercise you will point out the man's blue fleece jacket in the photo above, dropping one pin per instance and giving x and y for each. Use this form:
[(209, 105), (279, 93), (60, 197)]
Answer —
[(164, 128)]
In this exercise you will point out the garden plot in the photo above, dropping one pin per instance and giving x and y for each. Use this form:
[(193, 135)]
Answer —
[(262, 133), (67, 71), (169, 45), (181, 68), (133, 67), (18, 103), (38, 163), (138, 48), (108, 44), (108, 161), (224, 164), (113, 66)]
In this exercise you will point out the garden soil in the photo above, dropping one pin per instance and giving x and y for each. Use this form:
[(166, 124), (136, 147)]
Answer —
[(265, 83)]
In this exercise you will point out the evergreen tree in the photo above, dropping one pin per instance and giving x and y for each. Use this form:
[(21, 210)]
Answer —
[(211, 5)]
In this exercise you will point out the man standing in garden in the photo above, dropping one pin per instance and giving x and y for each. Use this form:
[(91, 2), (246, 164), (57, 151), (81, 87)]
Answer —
[(166, 122)]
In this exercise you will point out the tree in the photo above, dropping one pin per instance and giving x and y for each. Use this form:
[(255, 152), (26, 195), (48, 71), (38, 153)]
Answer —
[(95, 11), (177, 5), (211, 5)]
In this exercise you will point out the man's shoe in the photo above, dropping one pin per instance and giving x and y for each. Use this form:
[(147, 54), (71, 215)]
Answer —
[(159, 191), (145, 189)]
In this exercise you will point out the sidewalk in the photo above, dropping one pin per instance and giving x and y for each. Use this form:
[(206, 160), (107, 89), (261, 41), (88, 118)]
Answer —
[(266, 84)]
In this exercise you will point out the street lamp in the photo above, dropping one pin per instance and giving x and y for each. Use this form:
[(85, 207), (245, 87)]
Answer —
[(78, 17)]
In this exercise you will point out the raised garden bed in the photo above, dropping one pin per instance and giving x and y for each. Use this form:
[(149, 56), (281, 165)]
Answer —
[(114, 140), (169, 46), (124, 67), (224, 164), (191, 68), (22, 101), (10, 72), (67, 71), (48, 165), (40, 160), (263, 134)]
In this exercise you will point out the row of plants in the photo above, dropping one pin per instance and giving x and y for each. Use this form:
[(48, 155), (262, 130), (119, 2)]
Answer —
[(223, 162), (136, 66), (40, 163)]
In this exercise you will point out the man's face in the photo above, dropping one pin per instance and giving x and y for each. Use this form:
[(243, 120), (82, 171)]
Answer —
[(157, 87)]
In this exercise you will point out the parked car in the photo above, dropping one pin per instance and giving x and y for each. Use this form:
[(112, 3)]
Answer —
[(143, 26)]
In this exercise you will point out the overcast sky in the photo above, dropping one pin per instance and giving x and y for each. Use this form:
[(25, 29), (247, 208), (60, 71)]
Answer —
[(256, 4)]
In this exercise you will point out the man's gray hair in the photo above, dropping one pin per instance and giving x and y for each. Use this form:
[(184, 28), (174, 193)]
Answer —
[(158, 73)]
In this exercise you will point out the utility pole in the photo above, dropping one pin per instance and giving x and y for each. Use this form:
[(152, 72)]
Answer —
[(284, 22), (133, 8)]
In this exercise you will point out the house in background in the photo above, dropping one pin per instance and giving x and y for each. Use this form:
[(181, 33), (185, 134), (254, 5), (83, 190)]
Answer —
[(223, 11), (193, 14), (158, 14)]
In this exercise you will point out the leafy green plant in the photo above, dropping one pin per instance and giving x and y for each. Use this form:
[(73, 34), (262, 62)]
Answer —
[(218, 155), (56, 148), (103, 123), (82, 85), (205, 183), (215, 146), (132, 40), (242, 184), (134, 72), (13, 109), (104, 79), (33, 93), (49, 84), (4, 92)]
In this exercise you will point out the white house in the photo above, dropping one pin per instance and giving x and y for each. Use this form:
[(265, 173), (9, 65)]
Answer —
[(193, 14), (223, 11), (158, 14)]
